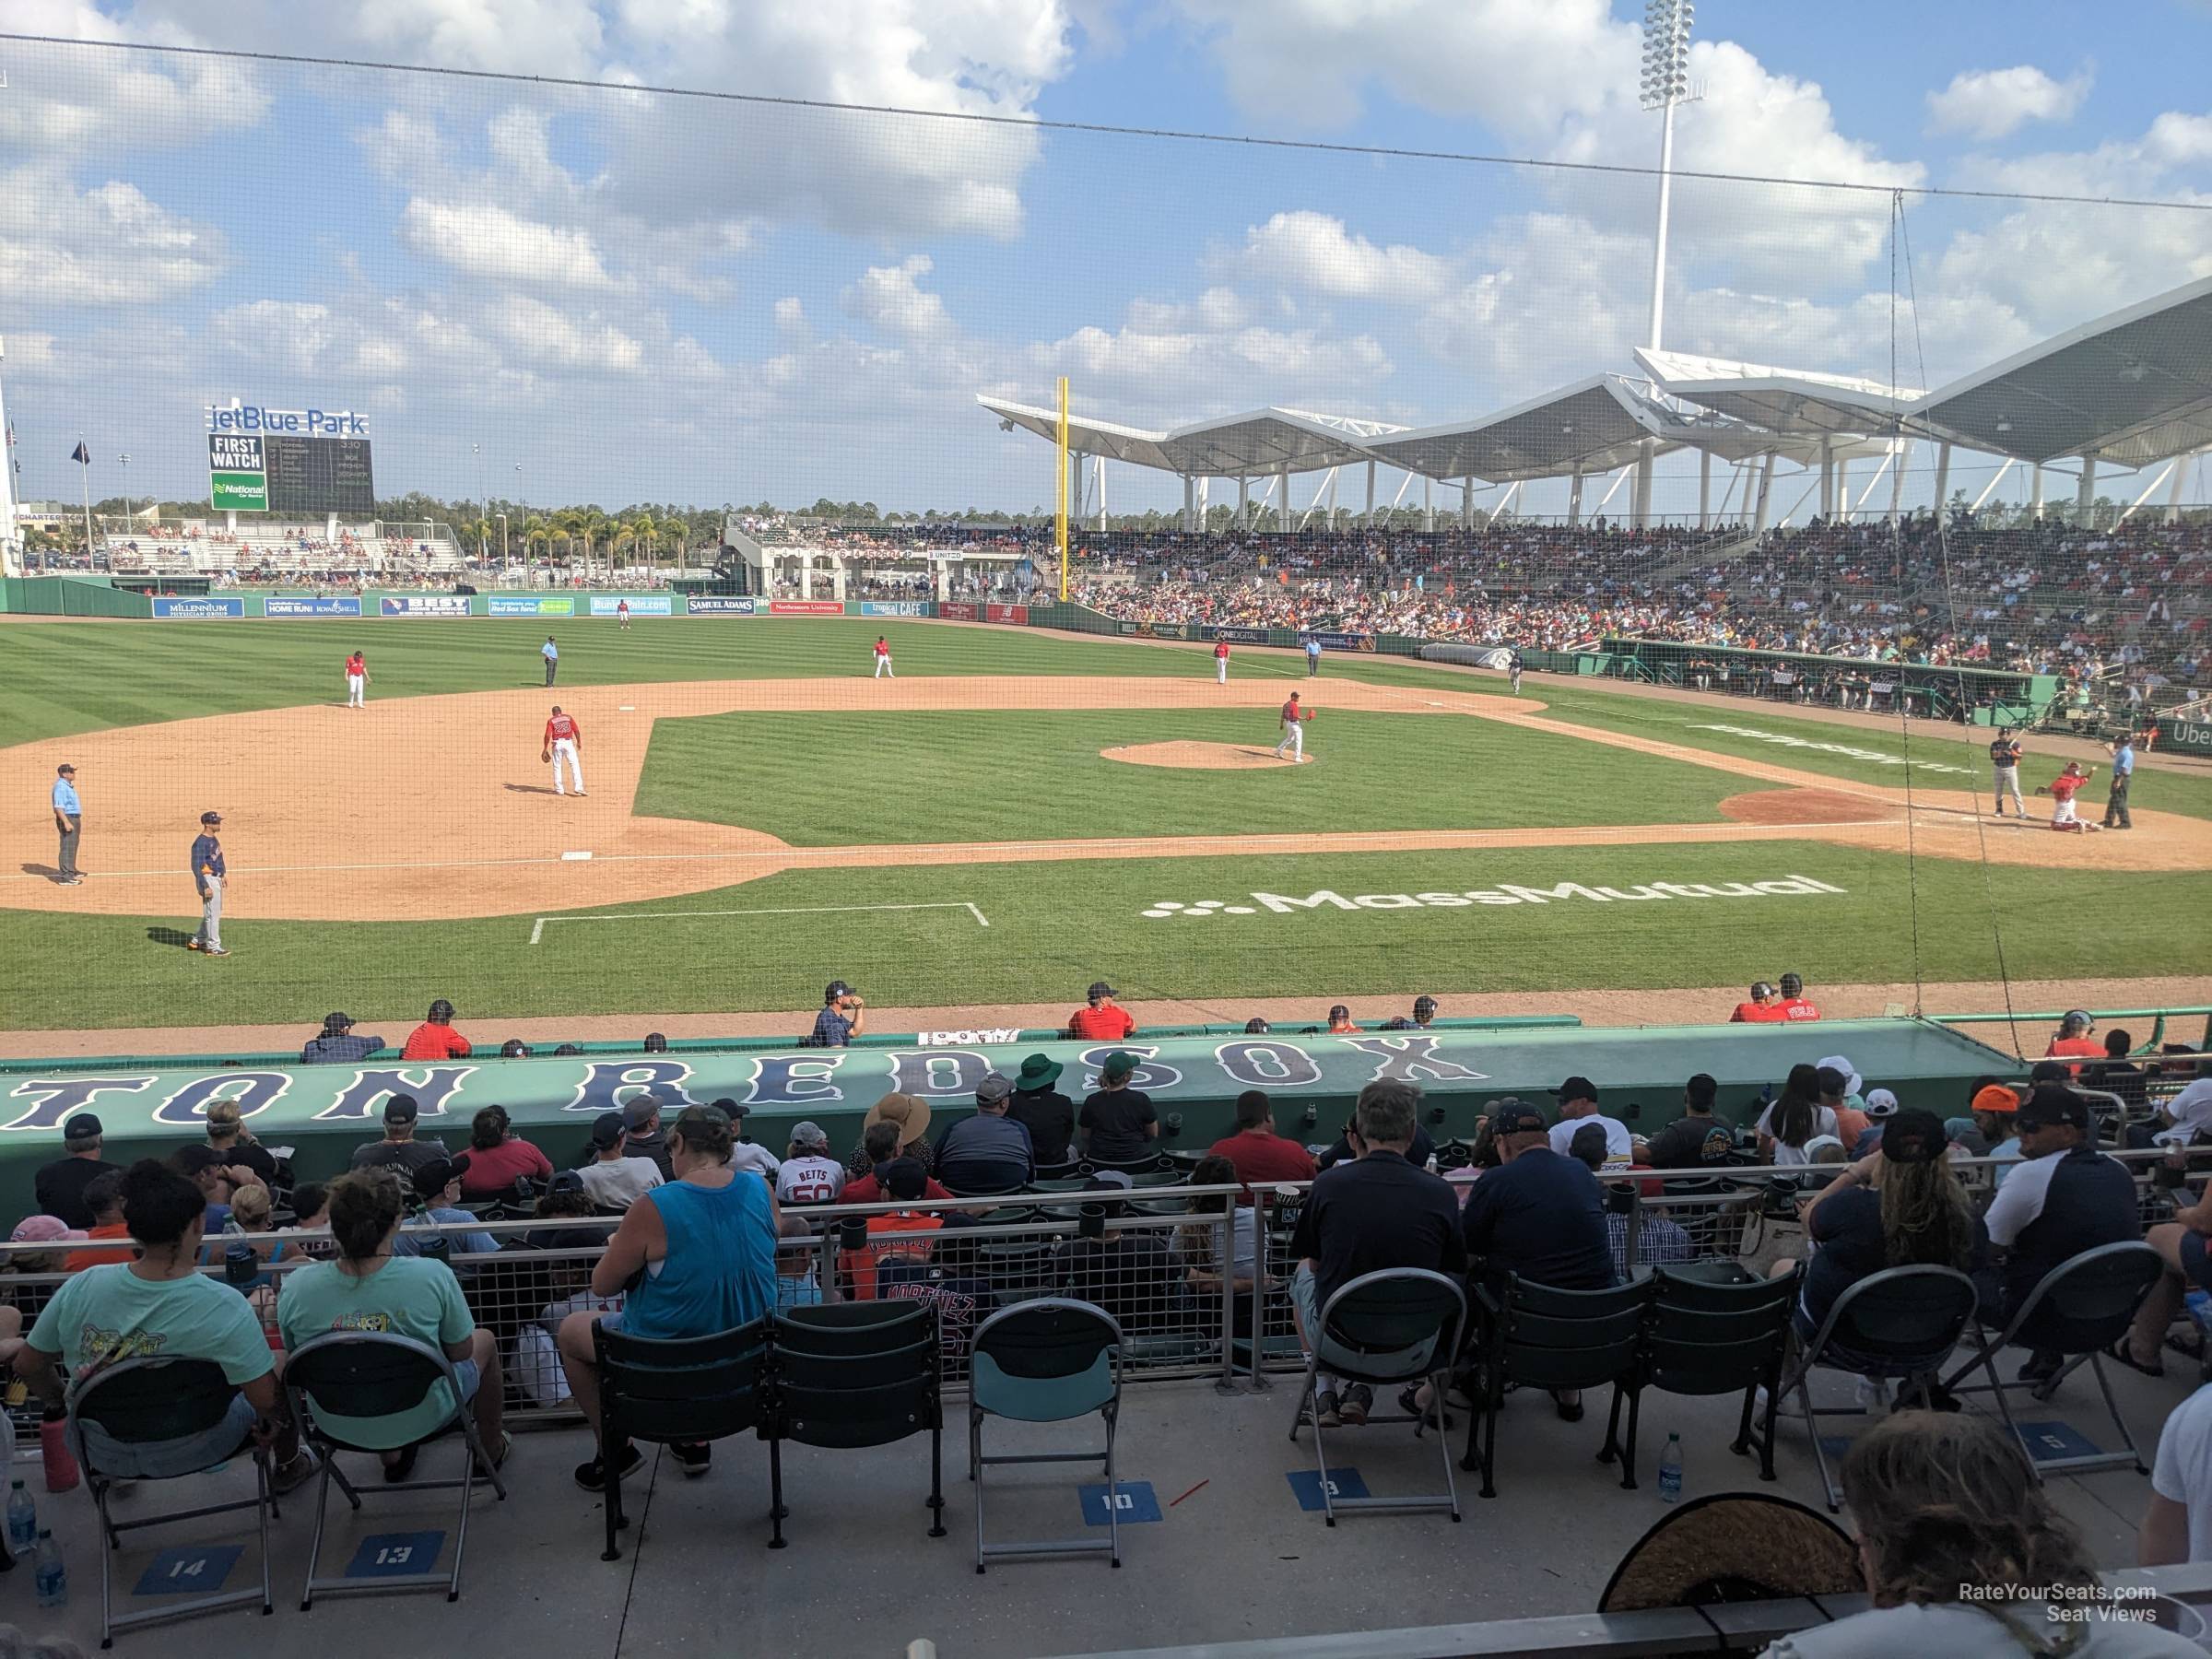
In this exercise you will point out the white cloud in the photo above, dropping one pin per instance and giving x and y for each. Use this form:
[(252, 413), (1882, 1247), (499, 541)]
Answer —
[(72, 101), (1990, 104), (557, 338), (1314, 252), (109, 245), (488, 241), (890, 297), (289, 335)]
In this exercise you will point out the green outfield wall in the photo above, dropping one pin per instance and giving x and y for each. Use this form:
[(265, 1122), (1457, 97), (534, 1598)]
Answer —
[(323, 1111)]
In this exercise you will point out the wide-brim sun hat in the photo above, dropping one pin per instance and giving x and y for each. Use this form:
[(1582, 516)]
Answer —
[(911, 1112)]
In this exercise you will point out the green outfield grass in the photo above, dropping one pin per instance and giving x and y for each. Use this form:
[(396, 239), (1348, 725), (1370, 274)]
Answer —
[(1055, 927), (861, 776), (1006, 773)]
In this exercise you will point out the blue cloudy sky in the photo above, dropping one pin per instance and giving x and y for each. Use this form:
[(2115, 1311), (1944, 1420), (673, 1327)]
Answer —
[(631, 296)]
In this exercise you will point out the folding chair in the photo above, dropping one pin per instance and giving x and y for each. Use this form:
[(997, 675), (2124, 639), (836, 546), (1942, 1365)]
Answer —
[(363, 1375), (1046, 1361), (1542, 1337), (697, 1388), (2078, 1309), (1903, 1322), (143, 1402), (855, 1374), (1399, 1325), (1710, 1335)]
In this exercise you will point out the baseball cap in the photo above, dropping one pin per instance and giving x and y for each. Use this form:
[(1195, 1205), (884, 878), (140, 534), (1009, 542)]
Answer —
[(1843, 1069), (904, 1177), (211, 817), (2049, 1071), (1791, 984), (434, 1177), (64, 767), (1995, 1097), (81, 1127), (1914, 1137), (1424, 1002), (1516, 1116), (1761, 990), (1578, 1088), (606, 1129), (44, 1229), (401, 1108), (1256, 1027), (1101, 988), (992, 1086), (338, 1022), (835, 988), (639, 1110), (809, 1134), (1882, 1103), (1119, 1063), (2048, 1106)]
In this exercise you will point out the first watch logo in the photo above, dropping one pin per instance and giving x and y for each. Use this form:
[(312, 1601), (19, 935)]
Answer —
[(1505, 892)]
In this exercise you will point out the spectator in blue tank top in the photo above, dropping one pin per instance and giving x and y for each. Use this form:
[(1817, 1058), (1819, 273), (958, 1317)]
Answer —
[(696, 1255)]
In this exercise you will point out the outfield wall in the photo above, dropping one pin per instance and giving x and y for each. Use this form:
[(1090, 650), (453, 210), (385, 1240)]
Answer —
[(323, 1111)]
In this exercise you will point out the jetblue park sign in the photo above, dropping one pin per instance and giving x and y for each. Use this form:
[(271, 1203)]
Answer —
[(305, 423)]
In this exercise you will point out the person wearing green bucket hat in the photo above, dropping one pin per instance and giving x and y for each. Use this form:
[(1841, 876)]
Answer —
[(1039, 1107)]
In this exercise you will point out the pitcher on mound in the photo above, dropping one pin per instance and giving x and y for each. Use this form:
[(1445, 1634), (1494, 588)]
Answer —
[(1294, 732)]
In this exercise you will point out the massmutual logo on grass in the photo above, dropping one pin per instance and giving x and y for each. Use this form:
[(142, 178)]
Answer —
[(1877, 756), (1284, 904)]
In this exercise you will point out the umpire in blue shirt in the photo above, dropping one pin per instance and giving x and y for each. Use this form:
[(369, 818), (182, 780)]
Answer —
[(69, 818), (2124, 770)]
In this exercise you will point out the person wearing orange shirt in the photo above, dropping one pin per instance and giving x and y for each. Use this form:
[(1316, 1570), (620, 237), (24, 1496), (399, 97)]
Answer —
[(2074, 1041), (1763, 1009), (1340, 1022), (564, 741), (103, 1197), (435, 1038), (1101, 1019)]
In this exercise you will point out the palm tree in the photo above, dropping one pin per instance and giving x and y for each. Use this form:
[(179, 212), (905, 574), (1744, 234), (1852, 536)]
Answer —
[(643, 528)]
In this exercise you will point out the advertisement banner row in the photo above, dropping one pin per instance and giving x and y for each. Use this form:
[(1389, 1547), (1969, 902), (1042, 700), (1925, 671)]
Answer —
[(199, 610), (516, 604), (314, 604), (894, 607)]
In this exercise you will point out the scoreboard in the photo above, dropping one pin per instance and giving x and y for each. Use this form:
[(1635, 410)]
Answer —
[(289, 461), (319, 474)]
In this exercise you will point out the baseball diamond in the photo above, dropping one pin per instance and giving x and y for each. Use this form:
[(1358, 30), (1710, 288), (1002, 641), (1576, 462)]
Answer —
[(424, 821)]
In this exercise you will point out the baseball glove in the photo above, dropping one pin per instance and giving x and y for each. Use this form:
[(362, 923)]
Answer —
[(544, 756)]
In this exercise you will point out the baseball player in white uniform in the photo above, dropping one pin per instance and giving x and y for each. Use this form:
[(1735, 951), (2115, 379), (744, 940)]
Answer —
[(1220, 662), (1294, 732), (564, 741), (883, 659)]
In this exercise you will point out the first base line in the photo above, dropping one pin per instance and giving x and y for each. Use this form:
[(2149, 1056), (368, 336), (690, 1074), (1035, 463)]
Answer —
[(538, 925)]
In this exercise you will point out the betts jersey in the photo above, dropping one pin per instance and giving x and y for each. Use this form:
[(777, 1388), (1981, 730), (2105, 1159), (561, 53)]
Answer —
[(810, 1180)]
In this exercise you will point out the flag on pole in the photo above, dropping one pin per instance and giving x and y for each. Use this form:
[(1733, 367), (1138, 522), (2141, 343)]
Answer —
[(80, 454)]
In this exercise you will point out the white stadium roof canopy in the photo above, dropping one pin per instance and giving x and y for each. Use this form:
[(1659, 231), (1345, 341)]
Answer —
[(1254, 445), (1787, 401)]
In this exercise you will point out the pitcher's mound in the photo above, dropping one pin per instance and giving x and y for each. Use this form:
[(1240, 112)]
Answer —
[(1196, 756), (1804, 806)]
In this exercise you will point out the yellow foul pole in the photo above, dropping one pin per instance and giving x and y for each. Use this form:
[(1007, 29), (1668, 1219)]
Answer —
[(1060, 494)]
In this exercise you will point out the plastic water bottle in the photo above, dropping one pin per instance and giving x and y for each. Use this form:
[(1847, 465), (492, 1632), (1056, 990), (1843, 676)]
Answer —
[(2199, 1303), (22, 1521), (52, 1578), (1670, 1471)]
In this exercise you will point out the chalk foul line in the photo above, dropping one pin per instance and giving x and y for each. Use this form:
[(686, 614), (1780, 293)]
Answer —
[(537, 927)]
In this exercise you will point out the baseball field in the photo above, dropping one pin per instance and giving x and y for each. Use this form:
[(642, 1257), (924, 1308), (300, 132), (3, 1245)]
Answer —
[(1018, 813)]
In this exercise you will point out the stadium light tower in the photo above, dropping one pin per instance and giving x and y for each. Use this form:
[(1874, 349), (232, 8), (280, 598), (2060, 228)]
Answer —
[(1665, 84)]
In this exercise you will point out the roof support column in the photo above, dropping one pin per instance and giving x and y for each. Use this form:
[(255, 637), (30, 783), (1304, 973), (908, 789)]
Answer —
[(1429, 501), (1827, 476), (1466, 502), (1190, 502), (1206, 490), (1243, 499), (2173, 496), (1766, 495), (1370, 495), (1282, 500), (2085, 493), (1574, 496), (1099, 471), (1844, 490), (1899, 457), (1943, 480), (1639, 498), (2035, 493), (1704, 489)]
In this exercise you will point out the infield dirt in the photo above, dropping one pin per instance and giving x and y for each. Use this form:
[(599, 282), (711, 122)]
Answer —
[(425, 808)]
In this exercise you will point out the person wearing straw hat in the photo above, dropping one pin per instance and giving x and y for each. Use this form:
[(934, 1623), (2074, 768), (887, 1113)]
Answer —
[(911, 1114)]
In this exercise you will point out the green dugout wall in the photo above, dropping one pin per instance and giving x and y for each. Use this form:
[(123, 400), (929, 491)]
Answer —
[(323, 1111)]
